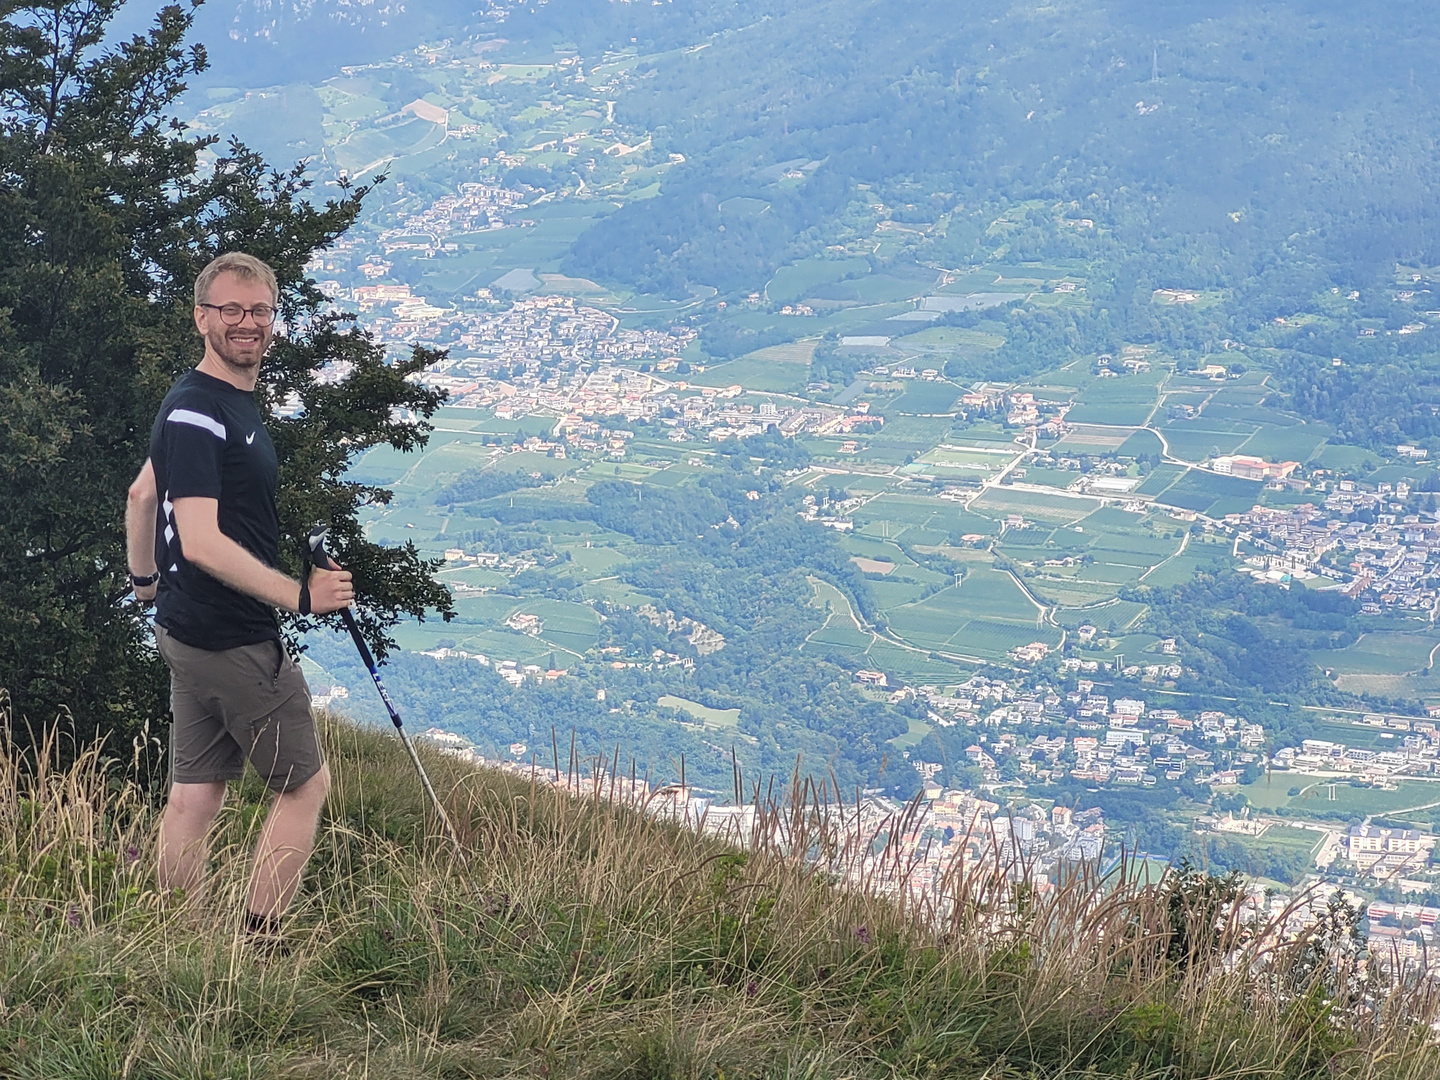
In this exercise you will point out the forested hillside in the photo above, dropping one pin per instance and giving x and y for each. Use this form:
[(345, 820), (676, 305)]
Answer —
[(1274, 155)]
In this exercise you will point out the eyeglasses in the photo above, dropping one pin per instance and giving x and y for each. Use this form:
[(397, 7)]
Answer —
[(234, 314)]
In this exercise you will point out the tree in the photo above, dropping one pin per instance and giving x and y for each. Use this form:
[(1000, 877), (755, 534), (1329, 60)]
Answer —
[(105, 219)]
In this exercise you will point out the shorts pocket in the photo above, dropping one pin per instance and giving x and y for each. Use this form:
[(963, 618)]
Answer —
[(262, 661)]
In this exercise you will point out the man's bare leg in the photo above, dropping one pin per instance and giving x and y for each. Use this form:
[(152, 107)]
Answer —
[(189, 813), (285, 844)]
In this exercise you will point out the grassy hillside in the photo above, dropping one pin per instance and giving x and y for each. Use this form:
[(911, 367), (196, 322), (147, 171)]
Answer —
[(588, 940)]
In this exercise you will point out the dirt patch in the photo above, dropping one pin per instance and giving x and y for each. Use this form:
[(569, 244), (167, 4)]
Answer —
[(1107, 437), (872, 566)]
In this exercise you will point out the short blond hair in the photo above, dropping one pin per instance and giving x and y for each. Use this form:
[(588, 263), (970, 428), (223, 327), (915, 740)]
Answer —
[(245, 267)]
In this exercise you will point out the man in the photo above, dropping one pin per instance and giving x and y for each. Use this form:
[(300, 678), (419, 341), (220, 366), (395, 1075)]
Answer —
[(203, 537)]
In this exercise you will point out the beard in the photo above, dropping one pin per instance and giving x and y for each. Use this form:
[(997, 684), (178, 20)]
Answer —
[(240, 356)]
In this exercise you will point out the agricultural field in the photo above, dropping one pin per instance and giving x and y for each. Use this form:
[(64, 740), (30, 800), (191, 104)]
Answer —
[(800, 280), (1127, 401), (987, 615), (776, 369), (1388, 663), (926, 398), (1325, 796), (1202, 491), (720, 719), (1053, 509)]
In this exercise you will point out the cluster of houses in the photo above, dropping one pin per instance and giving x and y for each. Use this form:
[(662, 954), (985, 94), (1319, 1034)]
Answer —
[(572, 401), (1019, 408), (959, 834), (488, 560), (476, 207), (1416, 752), (1403, 932), (523, 336), (1391, 561), (834, 514), (512, 671), (1044, 733)]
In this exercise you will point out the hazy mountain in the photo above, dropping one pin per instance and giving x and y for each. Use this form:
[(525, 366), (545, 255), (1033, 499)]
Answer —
[(1214, 131), (265, 42)]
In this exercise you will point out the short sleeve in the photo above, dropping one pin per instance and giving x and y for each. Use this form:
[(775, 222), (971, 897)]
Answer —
[(194, 446)]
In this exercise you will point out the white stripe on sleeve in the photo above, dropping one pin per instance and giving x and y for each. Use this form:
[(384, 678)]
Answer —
[(195, 419)]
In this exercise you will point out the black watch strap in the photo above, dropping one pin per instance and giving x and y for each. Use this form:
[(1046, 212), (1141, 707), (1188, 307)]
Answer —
[(144, 582)]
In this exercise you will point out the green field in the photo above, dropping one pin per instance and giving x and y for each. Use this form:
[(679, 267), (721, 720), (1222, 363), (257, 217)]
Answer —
[(1056, 478), (1032, 506), (1177, 570), (986, 616), (1381, 654), (940, 339), (777, 369), (1117, 413), (926, 397), (986, 460), (1199, 490), (1159, 479), (1195, 444), (712, 718), (839, 614), (798, 280), (889, 516), (1283, 444), (1326, 796)]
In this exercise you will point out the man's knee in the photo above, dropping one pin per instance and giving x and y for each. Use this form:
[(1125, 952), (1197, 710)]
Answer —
[(313, 790), (197, 802)]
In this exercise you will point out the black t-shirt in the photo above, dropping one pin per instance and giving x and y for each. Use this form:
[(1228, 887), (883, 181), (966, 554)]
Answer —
[(209, 441)]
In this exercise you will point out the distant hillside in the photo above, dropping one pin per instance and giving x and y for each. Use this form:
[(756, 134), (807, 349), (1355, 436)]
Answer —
[(255, 43), (1220, 144), (1281, 156)]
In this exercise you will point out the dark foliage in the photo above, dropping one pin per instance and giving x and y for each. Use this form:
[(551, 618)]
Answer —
[(106, 220)]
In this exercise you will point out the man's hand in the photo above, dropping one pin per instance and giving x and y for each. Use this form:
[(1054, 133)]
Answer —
[(206, 547), (330, 590), (145, 594)]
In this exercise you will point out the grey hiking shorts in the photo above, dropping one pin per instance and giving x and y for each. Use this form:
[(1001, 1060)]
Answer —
[(230, 705)]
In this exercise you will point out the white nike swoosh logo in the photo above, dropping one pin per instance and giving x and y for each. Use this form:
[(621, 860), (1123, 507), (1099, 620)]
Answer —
[(249, 438)]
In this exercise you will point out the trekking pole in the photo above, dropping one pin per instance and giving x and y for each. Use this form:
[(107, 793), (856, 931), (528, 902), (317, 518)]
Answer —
[(319, 557)]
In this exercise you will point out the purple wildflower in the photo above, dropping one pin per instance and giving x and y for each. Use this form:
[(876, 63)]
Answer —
[(863, 934)]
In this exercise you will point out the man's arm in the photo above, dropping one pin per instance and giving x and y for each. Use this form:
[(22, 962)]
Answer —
[(140, 529), (197, 520)]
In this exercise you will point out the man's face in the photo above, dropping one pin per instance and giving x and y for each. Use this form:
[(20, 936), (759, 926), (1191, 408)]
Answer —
[(240, 347)]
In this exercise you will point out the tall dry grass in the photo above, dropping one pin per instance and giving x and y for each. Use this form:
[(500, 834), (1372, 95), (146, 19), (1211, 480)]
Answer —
[(584, 938)]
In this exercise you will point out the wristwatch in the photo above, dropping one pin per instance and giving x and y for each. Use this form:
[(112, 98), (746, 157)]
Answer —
[(144, 582)]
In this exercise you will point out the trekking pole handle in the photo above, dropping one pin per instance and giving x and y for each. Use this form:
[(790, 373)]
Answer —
[(319, 557), (315, 545)]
